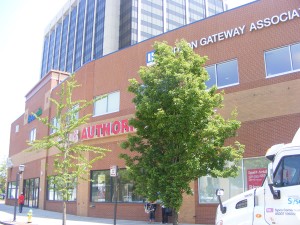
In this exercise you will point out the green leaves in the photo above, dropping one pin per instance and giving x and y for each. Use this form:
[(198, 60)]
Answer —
[(72, 162), (180, 136)]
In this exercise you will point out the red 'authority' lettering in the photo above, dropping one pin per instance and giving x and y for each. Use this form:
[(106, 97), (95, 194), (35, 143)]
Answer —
[(106, 129)]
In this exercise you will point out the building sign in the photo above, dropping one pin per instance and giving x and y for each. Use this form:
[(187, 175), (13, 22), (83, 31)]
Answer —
[(255, 177), (238, 31), (106, 129), (150, 58), (32, 117)]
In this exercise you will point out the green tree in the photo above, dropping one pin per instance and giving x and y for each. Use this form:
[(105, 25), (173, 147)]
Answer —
[(71, 163), (3, 176), (179, 134)]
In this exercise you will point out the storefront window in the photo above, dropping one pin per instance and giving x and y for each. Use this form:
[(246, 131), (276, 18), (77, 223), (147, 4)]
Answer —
[(102, 186), (54, 194), (251, 175), (11, 190)]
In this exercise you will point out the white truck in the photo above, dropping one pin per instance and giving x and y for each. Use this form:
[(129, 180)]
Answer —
[(277, 201)]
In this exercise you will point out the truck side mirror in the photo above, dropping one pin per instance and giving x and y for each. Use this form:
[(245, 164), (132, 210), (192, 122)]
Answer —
[(219, 193), (275, 193), (270, 173)]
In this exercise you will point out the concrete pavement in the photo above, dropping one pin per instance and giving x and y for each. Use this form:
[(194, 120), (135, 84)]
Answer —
[(44, 217)]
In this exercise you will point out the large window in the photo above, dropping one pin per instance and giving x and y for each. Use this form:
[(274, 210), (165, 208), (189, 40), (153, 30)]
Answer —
[(223, 74), (282, 60), (54, 194), (11, 190), (108, 104), (102, 186), (251, 175)]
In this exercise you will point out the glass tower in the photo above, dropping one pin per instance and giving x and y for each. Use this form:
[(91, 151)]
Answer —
[(88, 29)]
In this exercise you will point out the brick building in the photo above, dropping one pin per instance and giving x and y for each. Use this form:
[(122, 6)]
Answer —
[(254, 57)]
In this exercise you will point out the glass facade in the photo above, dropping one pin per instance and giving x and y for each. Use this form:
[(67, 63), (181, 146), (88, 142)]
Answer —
[(102, 187), (88, 36), (53, 194), (251, 175), (50, 53), (126, 10), (99, 29), (152, 23), (31, 192), (63, 49), (78, 37), (45, 54), (57, 46), (71, 40), (176, 14), (79, 34), (196, 10), (11, 190)]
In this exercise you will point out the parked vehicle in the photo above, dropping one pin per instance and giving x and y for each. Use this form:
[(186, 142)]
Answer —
[(277, 201)]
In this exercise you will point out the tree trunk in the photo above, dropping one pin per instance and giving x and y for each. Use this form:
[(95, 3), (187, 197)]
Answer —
[(175, 217), (64, 219)]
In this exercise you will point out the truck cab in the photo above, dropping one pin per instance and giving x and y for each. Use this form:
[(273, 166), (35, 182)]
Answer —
[(277, 201)]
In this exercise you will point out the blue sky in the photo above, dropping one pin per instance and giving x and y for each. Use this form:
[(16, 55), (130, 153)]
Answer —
[(22, 26)]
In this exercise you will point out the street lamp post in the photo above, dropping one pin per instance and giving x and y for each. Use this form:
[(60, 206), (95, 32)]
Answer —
[(20, 171)]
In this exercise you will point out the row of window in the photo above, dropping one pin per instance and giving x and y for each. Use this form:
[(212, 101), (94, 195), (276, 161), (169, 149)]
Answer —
[(277, 62), (109, 103), (102, 188), (251, 175)]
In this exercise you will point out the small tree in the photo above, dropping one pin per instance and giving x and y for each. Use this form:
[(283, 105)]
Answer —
[(3, 176), (71, 162), (180, 135)]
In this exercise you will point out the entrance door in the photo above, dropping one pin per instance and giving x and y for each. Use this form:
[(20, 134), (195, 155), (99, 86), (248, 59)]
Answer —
[(31, 190)]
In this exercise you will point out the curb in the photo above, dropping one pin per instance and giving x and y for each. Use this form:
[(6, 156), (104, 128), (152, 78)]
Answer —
[(15, 223)]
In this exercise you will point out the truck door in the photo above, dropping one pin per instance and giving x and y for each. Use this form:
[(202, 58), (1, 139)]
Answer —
[(285, 210)]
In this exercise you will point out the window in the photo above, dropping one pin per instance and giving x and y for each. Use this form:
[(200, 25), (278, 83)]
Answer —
[(287, 173), (11, 190), (73, 113), (251, 175), (282, 60), (102, 187), (32, 135), (54, 194), (223, 74), (241, 204), (17, 128), (54, 125), (108, 104)]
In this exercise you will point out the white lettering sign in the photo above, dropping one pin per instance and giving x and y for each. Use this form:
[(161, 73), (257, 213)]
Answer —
[(237, 31)]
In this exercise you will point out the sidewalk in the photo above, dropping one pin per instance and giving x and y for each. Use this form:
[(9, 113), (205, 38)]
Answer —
[(43, 217)]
